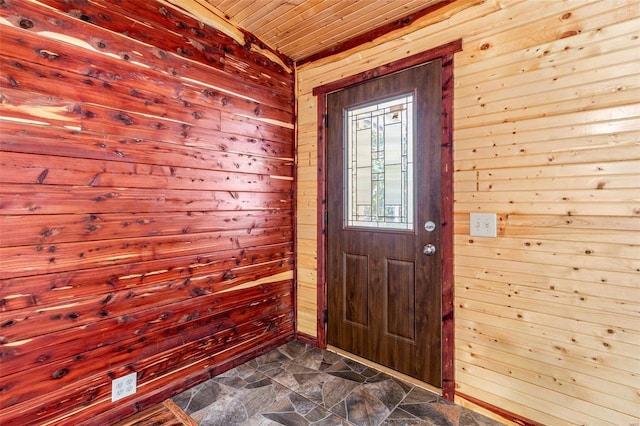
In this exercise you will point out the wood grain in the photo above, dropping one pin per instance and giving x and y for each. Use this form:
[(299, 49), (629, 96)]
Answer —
[(545, 130), (301, 28), (146, 206), (167, 413)]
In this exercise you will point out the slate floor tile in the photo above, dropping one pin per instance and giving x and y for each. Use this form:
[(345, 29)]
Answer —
[(299, 384)]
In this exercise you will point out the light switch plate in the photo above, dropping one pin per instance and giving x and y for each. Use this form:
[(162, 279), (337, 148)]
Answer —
[(482, 225)]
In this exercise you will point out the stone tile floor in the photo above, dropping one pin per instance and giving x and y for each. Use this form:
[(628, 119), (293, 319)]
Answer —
[(299, 384)]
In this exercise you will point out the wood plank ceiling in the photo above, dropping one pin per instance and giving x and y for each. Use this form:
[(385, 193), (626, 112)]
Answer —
[(301, 28)]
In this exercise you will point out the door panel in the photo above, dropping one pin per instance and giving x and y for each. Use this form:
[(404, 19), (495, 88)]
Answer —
[(356, 289), (384, 294), (400, 297)]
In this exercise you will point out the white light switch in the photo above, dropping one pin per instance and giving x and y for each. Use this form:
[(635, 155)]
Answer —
[(482, 225)]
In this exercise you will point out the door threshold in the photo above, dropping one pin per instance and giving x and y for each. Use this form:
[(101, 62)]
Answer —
[(387, 370)]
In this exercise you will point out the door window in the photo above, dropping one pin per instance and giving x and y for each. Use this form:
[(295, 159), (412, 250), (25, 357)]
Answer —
[(379, 164)]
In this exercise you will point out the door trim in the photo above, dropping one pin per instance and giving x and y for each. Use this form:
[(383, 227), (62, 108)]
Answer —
[(445, 53)]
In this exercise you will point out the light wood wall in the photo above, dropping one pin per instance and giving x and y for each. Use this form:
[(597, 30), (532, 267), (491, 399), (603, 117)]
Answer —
[(547, 124), (146, 206)]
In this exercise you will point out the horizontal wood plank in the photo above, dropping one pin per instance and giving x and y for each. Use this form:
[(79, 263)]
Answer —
[(147, 213), (545, 136), (76, 227)]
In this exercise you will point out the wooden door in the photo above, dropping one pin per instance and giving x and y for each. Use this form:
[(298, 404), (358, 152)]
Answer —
[(383, 209)]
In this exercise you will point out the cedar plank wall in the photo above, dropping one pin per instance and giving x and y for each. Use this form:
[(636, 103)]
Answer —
[(146, 206), (547, 124)]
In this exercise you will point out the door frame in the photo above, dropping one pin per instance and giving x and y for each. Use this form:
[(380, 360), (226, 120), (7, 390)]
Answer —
[(445, 53)]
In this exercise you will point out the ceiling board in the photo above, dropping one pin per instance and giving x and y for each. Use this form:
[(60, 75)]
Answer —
[(300, 28), (355, 23)]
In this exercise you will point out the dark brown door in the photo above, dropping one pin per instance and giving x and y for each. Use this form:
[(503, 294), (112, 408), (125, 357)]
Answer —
[(383, 151)]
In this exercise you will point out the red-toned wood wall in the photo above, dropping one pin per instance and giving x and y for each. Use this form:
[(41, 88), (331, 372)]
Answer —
[(145, 206)]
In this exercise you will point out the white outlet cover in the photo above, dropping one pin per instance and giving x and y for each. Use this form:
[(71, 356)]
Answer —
[(123, 387), (483, 225)]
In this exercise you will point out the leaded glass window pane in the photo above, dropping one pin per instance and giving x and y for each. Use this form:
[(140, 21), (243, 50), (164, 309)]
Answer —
[(379, 157)]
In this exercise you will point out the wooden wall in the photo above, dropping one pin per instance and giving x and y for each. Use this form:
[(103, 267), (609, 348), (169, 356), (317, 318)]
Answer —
[(146, 205), (547, 124)]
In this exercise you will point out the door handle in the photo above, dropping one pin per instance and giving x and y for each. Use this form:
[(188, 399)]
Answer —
[(429, 249)]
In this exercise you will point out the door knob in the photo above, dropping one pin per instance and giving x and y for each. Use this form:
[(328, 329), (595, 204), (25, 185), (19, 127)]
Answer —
[(429, 249)]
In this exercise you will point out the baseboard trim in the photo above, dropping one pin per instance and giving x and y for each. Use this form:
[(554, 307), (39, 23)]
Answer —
[(500, 413), (307, 338)]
